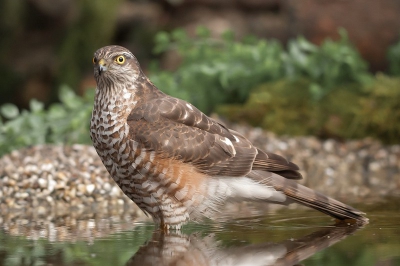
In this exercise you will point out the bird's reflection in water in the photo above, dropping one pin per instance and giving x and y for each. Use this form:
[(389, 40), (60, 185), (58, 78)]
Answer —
[(179, 249)]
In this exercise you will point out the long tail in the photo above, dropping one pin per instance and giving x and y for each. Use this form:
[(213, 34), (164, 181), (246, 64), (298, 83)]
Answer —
[(308, 197)]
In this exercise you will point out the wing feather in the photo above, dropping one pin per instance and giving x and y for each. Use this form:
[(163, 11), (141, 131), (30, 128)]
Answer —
[(176, 129)]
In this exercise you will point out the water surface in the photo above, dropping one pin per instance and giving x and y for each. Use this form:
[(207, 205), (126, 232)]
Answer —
[(285, 237)]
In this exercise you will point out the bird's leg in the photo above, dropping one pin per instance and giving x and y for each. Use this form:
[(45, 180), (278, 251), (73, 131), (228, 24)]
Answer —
[(164, 228)]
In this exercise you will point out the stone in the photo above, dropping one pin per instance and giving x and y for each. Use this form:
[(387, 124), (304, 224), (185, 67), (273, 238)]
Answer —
[(90, 188), (41, 210), (42, 182), (51, 184)]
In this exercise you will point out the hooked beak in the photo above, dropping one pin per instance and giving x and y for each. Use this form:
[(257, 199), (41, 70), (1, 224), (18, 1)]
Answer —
[(102, 66)]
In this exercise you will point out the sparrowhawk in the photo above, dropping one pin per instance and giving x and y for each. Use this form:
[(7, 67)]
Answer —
[(176, 163)]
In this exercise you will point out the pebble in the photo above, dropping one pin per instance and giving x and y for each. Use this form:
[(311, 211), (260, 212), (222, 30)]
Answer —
[(51, 185), (90, 188), (115, 191), (107, 187), (41, 210), (60, 180), (42, 182), (21, 195)]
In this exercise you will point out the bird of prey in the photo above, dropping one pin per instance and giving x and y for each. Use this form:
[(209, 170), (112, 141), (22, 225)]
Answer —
[(176, 163)]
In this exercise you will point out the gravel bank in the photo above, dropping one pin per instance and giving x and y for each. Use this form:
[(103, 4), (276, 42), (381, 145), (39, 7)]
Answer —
[(65, 181), (59, 180)]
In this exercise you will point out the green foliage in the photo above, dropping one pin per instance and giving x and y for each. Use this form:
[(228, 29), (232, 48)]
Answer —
[(216, 71), (349, 111), (65, 122), (222, 71), (394, 59), (327, 66), (303, 90)]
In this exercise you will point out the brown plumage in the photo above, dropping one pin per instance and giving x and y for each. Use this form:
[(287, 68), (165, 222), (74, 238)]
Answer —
[(175, 162)]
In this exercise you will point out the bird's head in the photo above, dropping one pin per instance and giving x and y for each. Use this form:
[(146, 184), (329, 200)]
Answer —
[(115, 65)]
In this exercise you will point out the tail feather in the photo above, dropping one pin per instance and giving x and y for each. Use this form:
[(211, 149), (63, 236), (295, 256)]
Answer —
[(309, 197)]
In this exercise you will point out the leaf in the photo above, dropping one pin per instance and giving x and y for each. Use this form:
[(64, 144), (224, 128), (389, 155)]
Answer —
[(69, 98), (179, 35), (9, 111), (202, 32), (66, 94), (316, 91), (162, 41), (36, 106)]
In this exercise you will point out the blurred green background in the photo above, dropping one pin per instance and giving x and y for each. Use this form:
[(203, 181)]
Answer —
[(324, 68)]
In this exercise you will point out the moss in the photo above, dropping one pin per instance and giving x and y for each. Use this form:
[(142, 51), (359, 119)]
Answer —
[(379, 113), (284, 107), (348, 111)]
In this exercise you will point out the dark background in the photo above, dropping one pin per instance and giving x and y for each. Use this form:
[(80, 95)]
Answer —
[(46, 43)]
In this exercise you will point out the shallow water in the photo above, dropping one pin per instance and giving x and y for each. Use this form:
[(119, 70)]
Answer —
[(286, 237)]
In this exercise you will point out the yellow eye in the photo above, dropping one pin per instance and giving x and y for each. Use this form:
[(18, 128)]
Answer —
[(94, 60), (120, 59)]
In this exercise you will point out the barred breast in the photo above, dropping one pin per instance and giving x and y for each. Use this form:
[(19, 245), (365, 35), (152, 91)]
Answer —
[(164, 188)]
